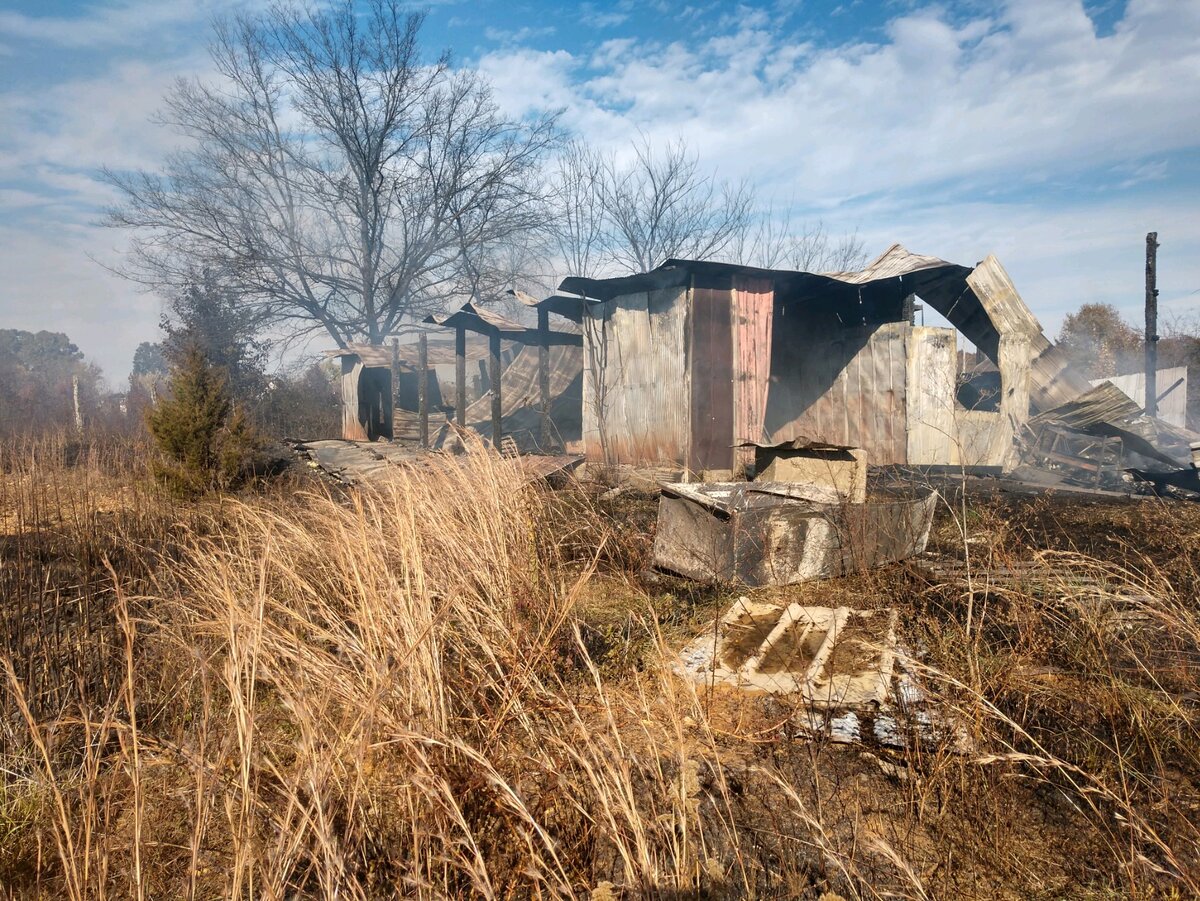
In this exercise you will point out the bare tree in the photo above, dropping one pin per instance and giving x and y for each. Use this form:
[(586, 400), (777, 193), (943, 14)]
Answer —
[(813, 250), (772, 243), (609, 218), (662, 206), (336, 179), (579, 225)]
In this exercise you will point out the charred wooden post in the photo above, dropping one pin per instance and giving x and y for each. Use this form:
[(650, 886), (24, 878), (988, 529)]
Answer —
[(494, 376), (394, 400), (423, 386), (544, 373), (460, 376), (1152, 324)]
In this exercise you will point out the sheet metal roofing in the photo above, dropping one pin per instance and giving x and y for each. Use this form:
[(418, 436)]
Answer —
[(895, 262)]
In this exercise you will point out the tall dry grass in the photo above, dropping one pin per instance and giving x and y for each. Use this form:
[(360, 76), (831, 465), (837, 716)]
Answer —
[(387, 694), (354, 698)]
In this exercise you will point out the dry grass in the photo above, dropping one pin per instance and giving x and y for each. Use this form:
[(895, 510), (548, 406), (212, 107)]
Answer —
[(459, 686)]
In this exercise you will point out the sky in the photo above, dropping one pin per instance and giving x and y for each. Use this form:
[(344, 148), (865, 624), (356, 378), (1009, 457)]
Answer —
[(1053, 133)]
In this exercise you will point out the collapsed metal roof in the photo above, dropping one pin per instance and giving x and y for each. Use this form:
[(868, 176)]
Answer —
[(472, 318), (979, 301)]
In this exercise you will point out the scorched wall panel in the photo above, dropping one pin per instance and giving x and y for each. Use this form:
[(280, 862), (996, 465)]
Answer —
[(636, 385), (840, 385)]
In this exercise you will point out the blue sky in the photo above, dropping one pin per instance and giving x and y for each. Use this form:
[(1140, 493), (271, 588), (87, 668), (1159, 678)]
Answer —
[(1054, 133)]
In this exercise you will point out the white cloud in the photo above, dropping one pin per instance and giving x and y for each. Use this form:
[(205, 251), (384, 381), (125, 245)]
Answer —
[(912, 138), (113, 24), (595, 18), (56, 140), (52, 145), (1059, 255), (517, 35), (1026, 91)]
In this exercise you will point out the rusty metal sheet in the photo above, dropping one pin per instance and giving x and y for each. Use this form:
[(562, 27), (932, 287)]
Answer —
[(520, 397), (548, 466), (753, 309), (834, 373)]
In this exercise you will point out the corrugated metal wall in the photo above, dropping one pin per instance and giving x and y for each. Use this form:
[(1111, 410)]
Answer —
[(637, 392), (837, 384), (940, 432), (521, 398), (711, 393), (931, 398), (1173, 407), (352, 428)]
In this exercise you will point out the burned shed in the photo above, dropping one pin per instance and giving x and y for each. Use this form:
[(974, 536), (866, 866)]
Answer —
[(369, 400), (694, 363), (534, 398)]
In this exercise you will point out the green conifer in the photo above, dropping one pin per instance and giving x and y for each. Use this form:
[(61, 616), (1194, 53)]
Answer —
[(206, 443)]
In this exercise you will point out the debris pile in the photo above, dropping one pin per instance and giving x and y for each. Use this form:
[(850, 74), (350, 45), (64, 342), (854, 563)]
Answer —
[(780, 533), (844, 668)]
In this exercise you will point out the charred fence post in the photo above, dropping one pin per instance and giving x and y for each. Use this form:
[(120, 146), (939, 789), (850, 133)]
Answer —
[(460, 376), (423, 387), (1152, 324), (543, 316), (494, 377)]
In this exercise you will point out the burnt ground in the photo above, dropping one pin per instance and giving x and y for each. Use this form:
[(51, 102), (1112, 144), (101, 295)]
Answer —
[(1060, 689), (1054, 685)]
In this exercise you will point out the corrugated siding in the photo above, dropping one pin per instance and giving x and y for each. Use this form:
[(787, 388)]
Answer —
[(1172, 408), (894, 262), (712, 380), (521, 398), (840, 385), (999, 298), (352, 428), (636, 383)]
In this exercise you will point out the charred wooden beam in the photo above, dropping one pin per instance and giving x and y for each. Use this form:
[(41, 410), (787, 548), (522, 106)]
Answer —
[(1152, 324)]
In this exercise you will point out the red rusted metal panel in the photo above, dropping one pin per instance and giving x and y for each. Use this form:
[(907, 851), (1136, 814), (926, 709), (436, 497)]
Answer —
[(753, 305), (712, 380)]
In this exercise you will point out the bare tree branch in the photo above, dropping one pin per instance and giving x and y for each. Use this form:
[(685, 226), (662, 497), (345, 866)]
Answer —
[(333, 177)]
